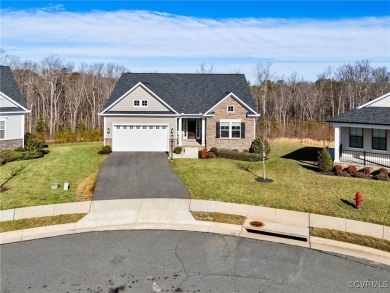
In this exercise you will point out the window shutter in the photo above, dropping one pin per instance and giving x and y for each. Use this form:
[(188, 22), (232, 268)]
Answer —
[(217, 129), (242, 129)]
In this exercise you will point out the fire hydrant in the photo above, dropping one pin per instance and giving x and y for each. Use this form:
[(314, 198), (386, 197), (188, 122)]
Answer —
[(358, 200)]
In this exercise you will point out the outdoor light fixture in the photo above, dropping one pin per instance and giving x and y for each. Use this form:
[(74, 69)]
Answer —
[(108, 130), (172, 131)]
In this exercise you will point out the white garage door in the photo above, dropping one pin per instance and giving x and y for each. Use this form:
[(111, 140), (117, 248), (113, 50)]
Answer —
[(140, 138)]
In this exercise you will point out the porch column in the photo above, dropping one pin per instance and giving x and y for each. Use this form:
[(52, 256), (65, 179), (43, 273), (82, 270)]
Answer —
[(337, 143), (203, 133), (180, 130)]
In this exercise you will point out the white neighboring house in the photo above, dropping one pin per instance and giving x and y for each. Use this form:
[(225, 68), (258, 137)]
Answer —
[(362, 135), (12, 111)]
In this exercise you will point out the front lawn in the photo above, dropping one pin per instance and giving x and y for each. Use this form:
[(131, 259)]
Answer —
[(296, 186), (72, 163)]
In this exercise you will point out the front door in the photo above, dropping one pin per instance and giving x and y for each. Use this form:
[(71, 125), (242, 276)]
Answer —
[(191, 128)]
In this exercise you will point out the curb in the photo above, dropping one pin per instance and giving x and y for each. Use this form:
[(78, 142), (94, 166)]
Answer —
[(315, 243)]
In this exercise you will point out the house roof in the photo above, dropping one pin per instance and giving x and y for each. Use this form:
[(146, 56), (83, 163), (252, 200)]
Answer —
[(366, 115), (9, 87), (186, 93)]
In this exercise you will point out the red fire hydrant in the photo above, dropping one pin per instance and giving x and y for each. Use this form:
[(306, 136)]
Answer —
[(358, 200)]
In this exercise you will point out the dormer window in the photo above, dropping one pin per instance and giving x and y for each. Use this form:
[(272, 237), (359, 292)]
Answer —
[(140, 103), (230, 109)]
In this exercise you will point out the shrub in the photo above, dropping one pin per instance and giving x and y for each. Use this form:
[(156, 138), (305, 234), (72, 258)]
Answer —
[(245, 151), (235, 150), (210, 155), (105, 150), (33, 142), (7, 156), (214, 150), (338, 168), (178, 150), (324, 162), (383, 172), (32, 155), (228, 154), (367, 170), (257, 147), (352, 169), (19, 149), (203, 154)]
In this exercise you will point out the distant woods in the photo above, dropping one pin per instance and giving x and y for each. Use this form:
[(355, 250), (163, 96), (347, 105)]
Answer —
[(292, 107), (63, 97)]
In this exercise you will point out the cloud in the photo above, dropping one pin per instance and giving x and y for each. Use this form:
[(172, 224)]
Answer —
[(122, 34)]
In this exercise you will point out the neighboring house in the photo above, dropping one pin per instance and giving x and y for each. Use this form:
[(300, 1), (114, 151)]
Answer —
[(12, 111), (362, 135), (201, 110)]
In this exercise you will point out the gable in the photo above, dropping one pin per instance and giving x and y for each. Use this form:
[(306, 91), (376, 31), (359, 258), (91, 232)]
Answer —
[(221, 110), (385, 102), (232, 98), (5, 103), (139, 94)]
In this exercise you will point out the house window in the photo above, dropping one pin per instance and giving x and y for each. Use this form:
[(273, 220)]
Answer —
[(230, 129), (356, 137), (230, 109), (379, 139), (2, 129), (140, 103)]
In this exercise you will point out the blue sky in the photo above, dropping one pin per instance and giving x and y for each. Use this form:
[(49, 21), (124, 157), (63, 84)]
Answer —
[(176, 36)]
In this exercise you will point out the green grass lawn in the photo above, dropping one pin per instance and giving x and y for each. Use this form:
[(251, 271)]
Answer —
[(296, 186), (71, 163)]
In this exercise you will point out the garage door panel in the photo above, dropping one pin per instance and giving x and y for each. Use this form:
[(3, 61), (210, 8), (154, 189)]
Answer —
[(138, 138)]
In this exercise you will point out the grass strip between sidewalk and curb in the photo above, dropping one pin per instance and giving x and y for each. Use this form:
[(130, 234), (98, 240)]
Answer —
[(219, 217), (39, 222), (362, 240)]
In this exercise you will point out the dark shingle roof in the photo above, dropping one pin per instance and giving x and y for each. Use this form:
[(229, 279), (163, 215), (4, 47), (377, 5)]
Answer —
[(187, 93), (9, 87), (366, 115), (140, 112)]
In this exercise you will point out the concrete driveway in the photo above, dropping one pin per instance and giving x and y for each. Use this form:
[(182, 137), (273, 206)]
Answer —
[(138, 175)]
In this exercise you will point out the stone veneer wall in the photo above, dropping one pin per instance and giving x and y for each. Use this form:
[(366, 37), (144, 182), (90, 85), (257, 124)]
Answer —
[(10, 144), (221, 113), (108, 141)]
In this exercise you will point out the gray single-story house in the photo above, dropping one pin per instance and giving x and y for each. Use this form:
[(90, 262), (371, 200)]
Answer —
[(362, 135), (145, 110), (12, 111)]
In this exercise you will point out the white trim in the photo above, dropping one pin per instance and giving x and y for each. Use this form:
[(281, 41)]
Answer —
[(13, 102), (131, 90), (374, 101), (227, 108), (180, 131), (253, 115), (104, 131), (141, 115), (337, 136), (356, 125), (237, 99), (22, 130), (203, 133), (5, 129), (15, 112), (230, 121)]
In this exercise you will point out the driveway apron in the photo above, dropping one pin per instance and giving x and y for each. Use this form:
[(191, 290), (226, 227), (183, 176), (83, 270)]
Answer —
[(138, 175)]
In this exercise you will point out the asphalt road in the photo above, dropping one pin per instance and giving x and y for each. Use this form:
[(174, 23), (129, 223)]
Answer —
[(138, 175), (174, 261)]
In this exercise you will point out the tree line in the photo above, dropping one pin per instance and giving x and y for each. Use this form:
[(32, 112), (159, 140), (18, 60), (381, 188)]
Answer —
[(292, 107), (62, 97)]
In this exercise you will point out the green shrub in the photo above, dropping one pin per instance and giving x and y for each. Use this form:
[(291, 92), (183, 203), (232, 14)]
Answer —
[(7, 156), (32, 155), (178, 150), (229, 154), (245, 151), (257, 147), (33, 142), (324, 162), (105, 150), (214, 150), (19, 149)]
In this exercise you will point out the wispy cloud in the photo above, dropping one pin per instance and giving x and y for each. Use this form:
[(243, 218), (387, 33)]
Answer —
[(124, 34)]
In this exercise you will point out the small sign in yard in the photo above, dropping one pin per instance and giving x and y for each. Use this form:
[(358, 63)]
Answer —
[(55, 186), (66, 186)]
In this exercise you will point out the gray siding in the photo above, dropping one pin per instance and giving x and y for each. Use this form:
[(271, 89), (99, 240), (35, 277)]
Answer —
[(126, 104), (367, 140), (5, 103), (138, 120), (13, 126), (385, 102)]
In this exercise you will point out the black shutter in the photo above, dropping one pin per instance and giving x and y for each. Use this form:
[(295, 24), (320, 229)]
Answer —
[(217, 128), (242, 129)]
